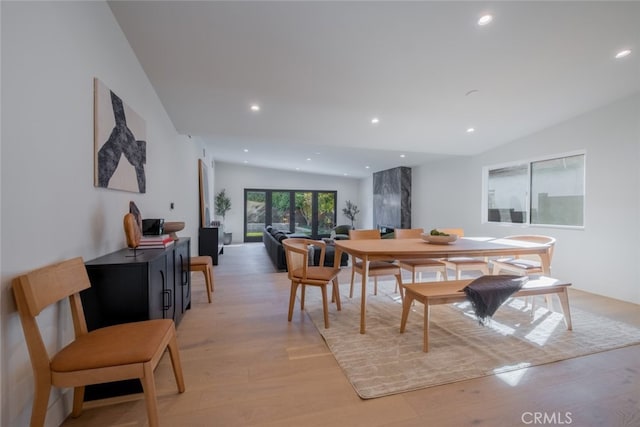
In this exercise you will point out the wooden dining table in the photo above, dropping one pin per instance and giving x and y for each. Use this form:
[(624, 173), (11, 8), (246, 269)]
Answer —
[(397, 249)]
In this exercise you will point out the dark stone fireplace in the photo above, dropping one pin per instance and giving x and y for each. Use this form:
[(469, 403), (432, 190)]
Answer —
[(392, 198)]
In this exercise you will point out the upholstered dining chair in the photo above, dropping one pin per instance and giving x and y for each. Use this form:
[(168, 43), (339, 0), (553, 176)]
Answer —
[(419, 265), (376, 268), (460, 264), (113, 353), (302, 274), (526, 264)]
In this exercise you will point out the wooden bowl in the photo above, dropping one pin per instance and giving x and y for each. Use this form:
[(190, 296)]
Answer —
[(172, 227), (439, 240)]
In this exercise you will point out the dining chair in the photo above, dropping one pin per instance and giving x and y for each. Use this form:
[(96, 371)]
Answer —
[(525, 265), (419, 265), (460, 264), (113, 353), (302, 274), (376, 268)]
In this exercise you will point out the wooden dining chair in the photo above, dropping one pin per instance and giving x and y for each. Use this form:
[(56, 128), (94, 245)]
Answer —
[(113, 353), (302, 274), (524, 265), (460, 264), (376, 268), (419, 265), (204, 264)]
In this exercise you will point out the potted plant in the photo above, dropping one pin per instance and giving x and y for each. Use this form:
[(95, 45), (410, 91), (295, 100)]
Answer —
[(223, 205), (350, 211)]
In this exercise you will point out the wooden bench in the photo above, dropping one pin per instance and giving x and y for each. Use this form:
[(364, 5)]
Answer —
[(432, 293)]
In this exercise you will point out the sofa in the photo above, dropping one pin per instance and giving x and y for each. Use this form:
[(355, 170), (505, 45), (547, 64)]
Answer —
[(272, 239)]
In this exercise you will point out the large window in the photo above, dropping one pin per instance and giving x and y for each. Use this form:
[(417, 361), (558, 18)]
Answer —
[(312, 213), (547, 191)]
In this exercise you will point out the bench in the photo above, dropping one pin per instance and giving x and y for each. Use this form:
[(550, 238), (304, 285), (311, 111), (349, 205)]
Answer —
[(449, 292)]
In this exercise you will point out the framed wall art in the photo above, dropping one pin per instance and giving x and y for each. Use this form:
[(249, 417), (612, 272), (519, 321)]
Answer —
[(120, 146), (205, 195)]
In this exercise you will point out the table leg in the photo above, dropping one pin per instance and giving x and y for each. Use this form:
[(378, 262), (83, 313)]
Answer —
[(427, 314), (363, 300)]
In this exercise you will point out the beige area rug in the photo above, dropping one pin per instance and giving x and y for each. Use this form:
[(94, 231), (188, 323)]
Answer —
[(383, 361)]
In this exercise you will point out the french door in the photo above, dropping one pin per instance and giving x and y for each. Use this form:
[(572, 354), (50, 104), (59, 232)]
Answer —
[(308, 212)]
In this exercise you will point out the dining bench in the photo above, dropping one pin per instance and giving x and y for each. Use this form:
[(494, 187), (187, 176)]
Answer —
[(433, 293)]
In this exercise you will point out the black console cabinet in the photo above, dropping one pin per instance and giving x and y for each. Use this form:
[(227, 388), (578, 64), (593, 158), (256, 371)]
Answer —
[(155, 284), (210, 242)]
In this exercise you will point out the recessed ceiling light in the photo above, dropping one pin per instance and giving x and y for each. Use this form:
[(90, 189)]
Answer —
[(367, 167), (623, 53), (308, 158), (375, 121), (246, 150), (485, 19), (471, 130), (403, 156), (255, 108)]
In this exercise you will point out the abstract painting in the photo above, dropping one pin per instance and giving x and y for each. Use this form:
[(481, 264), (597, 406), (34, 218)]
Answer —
[(120, 146)]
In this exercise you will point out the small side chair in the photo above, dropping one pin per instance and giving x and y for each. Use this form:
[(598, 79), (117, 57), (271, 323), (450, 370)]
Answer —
[(204, 264), (302, 274), (113, 353)]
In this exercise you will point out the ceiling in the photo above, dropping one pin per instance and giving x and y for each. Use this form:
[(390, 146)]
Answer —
[(320, 71)]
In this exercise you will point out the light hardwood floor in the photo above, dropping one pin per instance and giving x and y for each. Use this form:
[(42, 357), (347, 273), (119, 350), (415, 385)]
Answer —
[(245, 365)]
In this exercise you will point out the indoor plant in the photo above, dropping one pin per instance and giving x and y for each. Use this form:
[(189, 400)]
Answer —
[(350, 211), (223, 205)]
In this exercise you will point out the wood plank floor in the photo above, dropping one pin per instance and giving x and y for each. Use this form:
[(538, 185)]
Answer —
[(245, 365)]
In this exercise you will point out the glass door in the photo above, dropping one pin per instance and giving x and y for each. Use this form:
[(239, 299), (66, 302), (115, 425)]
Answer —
[(255, 215)]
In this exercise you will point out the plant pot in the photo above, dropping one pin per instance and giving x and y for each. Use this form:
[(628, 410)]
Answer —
[(226, 239)]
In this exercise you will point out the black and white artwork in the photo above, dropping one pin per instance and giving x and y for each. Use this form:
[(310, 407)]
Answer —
[(119, 142)]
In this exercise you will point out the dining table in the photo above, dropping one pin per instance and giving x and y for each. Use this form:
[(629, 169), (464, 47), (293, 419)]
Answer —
[(397, 249)]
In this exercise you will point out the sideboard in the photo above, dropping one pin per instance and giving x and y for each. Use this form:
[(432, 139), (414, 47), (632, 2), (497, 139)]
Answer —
[(153, 284)]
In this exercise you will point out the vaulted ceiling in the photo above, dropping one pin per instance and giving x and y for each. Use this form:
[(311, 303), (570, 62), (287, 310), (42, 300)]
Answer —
[(320, 72)]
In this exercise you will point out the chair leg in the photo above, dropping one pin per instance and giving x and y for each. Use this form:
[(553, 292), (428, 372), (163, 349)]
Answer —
[(207, 280), (444, 274), (175, 362), (375, 285), (325, 306), (150, 399), (336, 293), (302, 292), (292, 298), (40, 404), (211, 282), (78, 399)]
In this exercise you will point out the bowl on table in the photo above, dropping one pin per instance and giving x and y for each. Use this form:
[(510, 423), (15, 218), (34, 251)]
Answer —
[(439, 240)]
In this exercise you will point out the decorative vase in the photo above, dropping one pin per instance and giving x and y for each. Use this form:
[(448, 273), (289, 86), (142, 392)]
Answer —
[(227, 238)]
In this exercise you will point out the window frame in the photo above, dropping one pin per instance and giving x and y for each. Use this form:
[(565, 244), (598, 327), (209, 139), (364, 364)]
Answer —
[(528, 203)]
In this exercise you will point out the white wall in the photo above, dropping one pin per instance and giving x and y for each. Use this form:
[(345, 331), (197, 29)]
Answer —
[(51, 51), (602, 258), (235, 178)]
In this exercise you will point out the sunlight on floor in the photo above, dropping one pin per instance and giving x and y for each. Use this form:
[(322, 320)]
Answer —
[(512, 374)]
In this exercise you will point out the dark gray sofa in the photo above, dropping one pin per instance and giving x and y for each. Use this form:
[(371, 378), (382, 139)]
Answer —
[(272, 239)]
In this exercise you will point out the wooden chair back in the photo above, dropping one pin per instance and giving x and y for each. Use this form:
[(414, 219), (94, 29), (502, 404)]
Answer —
[(297, 255), (364, 234), (535, 238), (408, 233), (40, 288)]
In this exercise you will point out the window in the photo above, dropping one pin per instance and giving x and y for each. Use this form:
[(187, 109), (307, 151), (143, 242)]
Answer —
[(547, 191), (312, 213)]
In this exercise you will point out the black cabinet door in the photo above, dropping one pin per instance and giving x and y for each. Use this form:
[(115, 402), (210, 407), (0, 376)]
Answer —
[(182, 279), (161, 288)]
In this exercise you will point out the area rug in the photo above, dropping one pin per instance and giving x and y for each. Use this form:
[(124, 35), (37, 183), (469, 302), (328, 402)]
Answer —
[(383, 361)]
